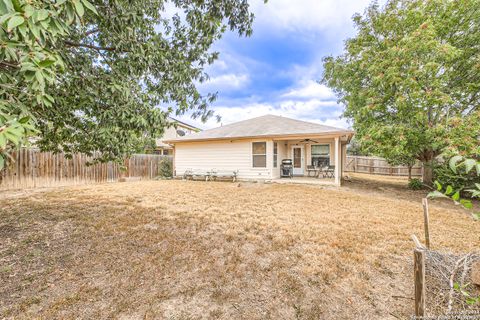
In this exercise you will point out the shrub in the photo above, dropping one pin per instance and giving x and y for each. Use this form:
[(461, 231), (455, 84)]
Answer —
[(415, 184), (470, 166), (460, 180), (165, 169)]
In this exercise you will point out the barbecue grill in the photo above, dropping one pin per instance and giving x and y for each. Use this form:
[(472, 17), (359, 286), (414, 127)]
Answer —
[(286, 168)]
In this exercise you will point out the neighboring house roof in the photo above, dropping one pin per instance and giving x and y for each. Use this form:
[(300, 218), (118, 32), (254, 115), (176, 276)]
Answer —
[(264, 126), (172, 132), (184, 124)]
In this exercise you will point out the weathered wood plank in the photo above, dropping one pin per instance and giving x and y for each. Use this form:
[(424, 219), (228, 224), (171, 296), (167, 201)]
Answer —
[(419, 275)]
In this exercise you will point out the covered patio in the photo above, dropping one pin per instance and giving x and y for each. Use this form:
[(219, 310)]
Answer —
[(316, 159)]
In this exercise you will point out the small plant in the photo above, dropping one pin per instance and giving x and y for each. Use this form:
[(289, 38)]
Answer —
[(415, 184), (165, 169)]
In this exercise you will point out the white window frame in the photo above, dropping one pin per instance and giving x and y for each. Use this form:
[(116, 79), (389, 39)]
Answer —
[(322, 144), (259, 154)]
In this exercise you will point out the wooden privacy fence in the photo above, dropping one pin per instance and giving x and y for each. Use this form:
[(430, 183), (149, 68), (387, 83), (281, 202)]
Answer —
[(32, 168), (375, 165)]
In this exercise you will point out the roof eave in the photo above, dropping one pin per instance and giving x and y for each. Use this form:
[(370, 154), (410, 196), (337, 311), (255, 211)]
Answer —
[(330, 133)]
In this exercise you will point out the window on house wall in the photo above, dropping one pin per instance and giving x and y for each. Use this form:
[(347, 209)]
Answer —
[(321, 155), (275, 154), (259, 154)]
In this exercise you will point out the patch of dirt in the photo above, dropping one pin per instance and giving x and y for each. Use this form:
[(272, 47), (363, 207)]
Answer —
[(196, 250)]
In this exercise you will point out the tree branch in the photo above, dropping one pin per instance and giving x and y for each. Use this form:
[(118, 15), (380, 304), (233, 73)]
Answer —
[(91, 32), (8, 64), (84, 45)]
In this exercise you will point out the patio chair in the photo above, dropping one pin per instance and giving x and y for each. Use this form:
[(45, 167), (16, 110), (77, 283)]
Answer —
[(312, 169), (329, 172)]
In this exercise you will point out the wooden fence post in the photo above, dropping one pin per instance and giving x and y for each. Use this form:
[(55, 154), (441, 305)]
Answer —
[(426, 220), (419, 274)]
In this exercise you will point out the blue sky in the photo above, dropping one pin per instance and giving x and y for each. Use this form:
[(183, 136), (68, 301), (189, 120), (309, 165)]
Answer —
[(275, 71)]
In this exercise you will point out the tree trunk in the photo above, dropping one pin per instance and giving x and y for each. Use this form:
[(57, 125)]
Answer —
[(409, 173), (427, 175)]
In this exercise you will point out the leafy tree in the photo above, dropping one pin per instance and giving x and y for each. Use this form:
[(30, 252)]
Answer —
[(354, 148), (89, 75), (412, 67)]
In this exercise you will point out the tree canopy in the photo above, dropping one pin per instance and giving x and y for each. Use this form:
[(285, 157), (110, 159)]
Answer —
[(412, 68), (89, 75)]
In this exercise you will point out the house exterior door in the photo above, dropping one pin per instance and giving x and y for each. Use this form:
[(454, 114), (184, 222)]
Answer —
[(298, 160)]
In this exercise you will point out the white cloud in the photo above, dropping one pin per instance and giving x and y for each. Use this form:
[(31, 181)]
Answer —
[(227, 81), (307, 14), (313, 110), (310, 89)]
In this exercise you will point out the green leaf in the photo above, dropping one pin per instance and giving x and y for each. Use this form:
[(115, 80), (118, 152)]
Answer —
[(17, 6), (449, 190), (6, 6), (40, 78), (14, 22), (79, 8), (90, 6), (5, 17), (456, 196), (453, 163), (476, 216), (29, 11), (41, 15), (24, 120), (469, 164), (12, 137), (36, 31), (438, 185), (46, 63), (467, 204), (2, 161)]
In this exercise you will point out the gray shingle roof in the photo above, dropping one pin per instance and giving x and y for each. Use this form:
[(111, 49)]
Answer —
[(264, 126)]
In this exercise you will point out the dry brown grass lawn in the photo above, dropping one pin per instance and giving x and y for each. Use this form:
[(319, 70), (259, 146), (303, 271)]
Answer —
[(196, 250)]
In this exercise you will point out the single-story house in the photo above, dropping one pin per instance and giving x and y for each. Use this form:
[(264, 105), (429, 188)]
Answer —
[(256, 147), (177, 130)]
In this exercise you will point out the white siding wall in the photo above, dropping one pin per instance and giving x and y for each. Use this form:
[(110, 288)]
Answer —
[(282, 154), (237, 155), (222, 155)]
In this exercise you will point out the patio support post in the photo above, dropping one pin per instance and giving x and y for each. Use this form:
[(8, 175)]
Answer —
[(338, 155)]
